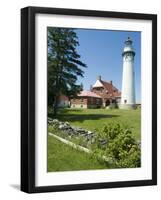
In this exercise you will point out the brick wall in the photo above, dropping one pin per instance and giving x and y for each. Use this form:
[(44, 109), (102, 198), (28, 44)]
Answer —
[(86, 102)]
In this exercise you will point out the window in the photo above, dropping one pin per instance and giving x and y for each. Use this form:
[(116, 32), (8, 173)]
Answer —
[(91, 100), (97, 101)]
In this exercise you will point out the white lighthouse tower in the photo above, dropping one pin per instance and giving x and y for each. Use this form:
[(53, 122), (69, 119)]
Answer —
[(128, 82)]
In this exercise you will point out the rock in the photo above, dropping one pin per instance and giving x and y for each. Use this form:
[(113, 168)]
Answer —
[(79, 131), (56, 121), (68, 132), (50, 122), (71, 131), (53, 122), (89, 135), (63, 127), (67, 123), (83, 132), (103, 142), (50, 119)]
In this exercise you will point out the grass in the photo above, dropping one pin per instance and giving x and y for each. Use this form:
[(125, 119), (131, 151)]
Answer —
[(64, 158), (92, 119)]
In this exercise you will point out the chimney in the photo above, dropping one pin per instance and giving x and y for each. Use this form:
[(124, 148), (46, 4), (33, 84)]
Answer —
[(91, 87), (99, 78), (111, 82)]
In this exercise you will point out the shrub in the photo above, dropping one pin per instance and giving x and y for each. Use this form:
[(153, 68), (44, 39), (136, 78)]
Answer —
[(120, 146), (115, 143)]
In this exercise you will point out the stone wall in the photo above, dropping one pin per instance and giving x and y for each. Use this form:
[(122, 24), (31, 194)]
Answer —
[(71, 131)]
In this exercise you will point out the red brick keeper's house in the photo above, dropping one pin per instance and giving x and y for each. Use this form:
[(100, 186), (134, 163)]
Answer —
[(101, 94), (107, 91)]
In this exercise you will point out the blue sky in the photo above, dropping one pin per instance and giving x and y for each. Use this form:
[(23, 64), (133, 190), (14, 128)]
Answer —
[(101, 50)]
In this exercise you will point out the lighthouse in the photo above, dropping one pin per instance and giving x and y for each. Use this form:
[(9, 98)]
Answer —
[(128, 77)]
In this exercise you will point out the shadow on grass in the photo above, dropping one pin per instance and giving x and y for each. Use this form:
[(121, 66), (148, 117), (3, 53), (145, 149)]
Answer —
[(68, 110), (81, 117)]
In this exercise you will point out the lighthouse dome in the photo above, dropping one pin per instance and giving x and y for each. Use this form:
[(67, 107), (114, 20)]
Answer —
[(128, 47)]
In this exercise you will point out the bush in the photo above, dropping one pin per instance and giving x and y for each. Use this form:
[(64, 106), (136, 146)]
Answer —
[(120, 146), (114, 142)]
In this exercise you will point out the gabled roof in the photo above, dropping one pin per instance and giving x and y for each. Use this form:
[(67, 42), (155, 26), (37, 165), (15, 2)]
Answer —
[(111, 90), (98, 84), (109, 86), (86, 93)]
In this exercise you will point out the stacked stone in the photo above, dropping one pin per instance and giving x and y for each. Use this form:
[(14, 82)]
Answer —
[(71, 131)]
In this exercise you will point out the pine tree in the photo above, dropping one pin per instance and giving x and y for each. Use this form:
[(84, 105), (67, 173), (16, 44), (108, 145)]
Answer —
[(64, 65)]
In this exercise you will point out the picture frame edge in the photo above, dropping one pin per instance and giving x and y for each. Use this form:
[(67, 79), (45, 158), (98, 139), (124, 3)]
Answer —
[(28, 101)]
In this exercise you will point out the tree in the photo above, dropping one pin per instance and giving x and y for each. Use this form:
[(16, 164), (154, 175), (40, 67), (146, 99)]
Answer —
[(63, 65)]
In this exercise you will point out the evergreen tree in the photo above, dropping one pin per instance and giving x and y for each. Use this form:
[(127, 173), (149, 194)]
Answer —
[(64, 65)]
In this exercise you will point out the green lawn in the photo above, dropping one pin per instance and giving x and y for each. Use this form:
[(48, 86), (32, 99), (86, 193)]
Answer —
[(64, 158), (91, 119)]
